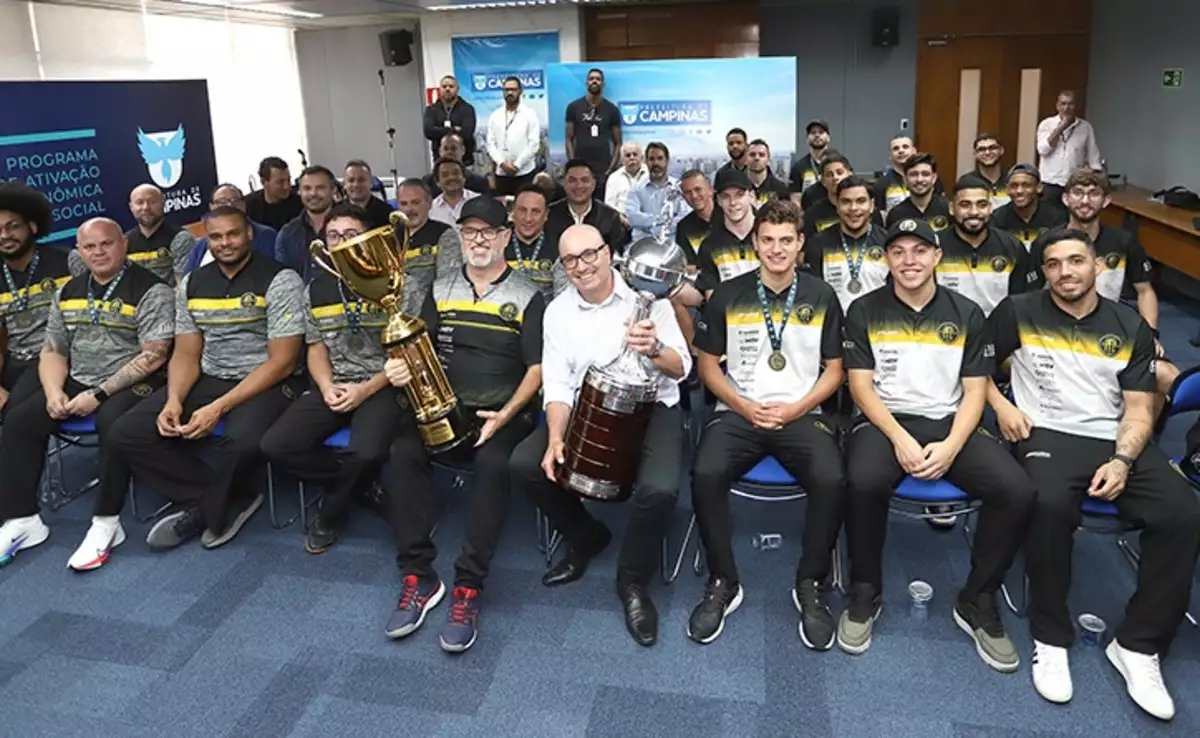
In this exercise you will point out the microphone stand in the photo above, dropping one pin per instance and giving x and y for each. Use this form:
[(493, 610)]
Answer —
[(391, 134)]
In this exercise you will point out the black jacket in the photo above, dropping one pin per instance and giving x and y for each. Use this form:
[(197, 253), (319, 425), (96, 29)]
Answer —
[(461, 115)]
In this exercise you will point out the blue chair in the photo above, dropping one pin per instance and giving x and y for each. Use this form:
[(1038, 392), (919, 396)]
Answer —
[(339, 441), (77, 432)]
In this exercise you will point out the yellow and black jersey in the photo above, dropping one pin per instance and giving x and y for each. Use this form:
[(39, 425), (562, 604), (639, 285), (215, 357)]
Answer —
[(999, 267), (736, 328), (998, 189), (163, 252), (823, 215), (936, 214), (1045, 216), (919, 357), (25, 299), (350, 328), (772, 188), (485, 342), (691, 232), (892, 189), (1068, 374), (723, 256), (804, 174), (423, 246), (832, 256), (537, 260), (1123, 263)]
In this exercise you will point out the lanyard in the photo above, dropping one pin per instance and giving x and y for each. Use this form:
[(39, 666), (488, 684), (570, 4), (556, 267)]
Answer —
[(108, 293), (855, 265), (21, 299), (537, 249), (776, 337), (353, 317)]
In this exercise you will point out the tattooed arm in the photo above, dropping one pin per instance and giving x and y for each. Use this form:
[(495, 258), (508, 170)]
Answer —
[(153, 357), (156, 329)]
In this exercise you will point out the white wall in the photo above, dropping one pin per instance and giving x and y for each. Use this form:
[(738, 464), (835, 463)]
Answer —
[(243, 63), (343, 105)]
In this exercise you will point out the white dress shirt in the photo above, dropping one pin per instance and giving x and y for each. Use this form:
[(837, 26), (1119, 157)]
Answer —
[(515, 136), (620, 182), (444, 212), (1076, 150), (577, 334)]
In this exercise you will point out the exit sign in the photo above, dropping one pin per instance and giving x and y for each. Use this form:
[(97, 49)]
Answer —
[(1172, 78)]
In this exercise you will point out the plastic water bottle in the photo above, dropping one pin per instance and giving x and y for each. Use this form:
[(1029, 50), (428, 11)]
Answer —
[(767, 541), (919, 594), (1091, 629)]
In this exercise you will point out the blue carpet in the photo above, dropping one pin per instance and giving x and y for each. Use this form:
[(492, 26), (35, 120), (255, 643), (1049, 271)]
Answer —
[(261, 639)]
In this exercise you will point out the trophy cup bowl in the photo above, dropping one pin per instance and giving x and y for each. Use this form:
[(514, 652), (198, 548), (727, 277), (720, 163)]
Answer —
[(372, 266)]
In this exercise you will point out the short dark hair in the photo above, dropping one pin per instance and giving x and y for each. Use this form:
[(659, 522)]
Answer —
[(512, 78), (442, 160), (691, 174), (357, 163), (536, 189), (970, 181), (416, 182), (778, 212), (1088, 178), (597, 70), (760, 142), (660, 146), (317, 169), (452, 134), (833, 156), (921, 158), (346, 209), (853, 181), (575, 164), (228, 211), (271, 162), (1057, 234), (222, 186), (738, 131), (985, 136)]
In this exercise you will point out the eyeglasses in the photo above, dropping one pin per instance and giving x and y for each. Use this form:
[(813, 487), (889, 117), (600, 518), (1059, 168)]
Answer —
[(1082, 194), (339, 236), (475, 234), (587, 257)]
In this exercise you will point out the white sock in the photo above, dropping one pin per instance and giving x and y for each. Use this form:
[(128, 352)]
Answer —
[(108, 521)]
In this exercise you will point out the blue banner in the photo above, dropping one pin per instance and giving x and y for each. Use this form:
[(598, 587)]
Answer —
[(86, 145), (689, 105), (481, 63)]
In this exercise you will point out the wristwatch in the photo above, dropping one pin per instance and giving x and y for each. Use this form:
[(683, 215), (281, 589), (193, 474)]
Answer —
[(657, 350), (1128, 462), (99, 394)]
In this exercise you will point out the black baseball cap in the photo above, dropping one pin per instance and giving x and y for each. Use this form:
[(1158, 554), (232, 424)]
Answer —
[(487, 209), (1029, 169), (731, 177), (818, 122), (912, 227)]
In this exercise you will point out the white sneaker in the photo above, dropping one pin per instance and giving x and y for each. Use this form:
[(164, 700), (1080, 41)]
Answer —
[(1052, 673), (18, 534), (105, 534), (1143, 679)]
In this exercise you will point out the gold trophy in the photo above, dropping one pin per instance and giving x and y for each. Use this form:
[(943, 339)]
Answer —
[(372, 266)]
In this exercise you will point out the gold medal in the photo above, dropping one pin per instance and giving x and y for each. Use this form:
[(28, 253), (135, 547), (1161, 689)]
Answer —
[(777, 361)]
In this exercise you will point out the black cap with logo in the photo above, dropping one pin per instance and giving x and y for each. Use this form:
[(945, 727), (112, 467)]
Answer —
[(731, 177), (485, 208), (912, 227)]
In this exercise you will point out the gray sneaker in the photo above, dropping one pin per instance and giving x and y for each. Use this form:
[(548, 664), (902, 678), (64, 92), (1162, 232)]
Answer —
[(854, 627), (981, 621), (174, 529), (211, 539)]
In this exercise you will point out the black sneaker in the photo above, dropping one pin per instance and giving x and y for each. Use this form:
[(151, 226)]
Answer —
[(981, 621), (858, 619), (817, 626), (322, 534), (721, 597)]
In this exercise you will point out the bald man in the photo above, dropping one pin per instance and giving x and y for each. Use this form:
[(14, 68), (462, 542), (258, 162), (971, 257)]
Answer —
[(108, 335), (154, 243)]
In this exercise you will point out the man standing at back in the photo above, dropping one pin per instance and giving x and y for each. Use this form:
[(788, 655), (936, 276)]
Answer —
[(155, 244), (276, 203), (450, 114), (1065, 143), (357, 180), (594, 131), (291, 246), (514, 135)]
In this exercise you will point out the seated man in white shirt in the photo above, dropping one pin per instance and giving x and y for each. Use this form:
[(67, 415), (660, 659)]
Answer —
[(1065, 143), (630, 174), (586, 325), (451, 177), (514, 135)]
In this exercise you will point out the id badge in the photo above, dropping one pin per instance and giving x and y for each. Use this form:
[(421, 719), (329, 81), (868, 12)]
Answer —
[(446, 124), (595, 131)]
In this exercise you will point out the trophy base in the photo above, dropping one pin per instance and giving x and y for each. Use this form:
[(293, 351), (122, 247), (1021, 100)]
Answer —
[(599, 490), (447, 432)]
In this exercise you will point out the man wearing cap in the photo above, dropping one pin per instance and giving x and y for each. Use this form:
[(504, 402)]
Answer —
[(919, 360), (728, 251), (1027, 215), (32, 275), (807, 171), (486, 322)]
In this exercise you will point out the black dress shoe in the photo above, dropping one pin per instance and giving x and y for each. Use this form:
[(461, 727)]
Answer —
[(641, 617), (574, 565)]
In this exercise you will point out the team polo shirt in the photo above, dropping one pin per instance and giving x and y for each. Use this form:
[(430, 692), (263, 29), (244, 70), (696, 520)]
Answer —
[(823, 215), (1123, 263), (331, 316), (23, 313), (804, 174), (919, 357), (892, 188), (1045, 216), (237, 316), (423, 246), (485, 342), (691, 231), (997, 189), (433, 249), (737, 330), (140, 310), (937, 214), (1068, 374), (162, 251), (771, 188), (825, 256), (536, 259), (986, 275), (723, 256)]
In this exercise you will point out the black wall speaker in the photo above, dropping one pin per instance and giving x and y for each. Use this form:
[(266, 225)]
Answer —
[(397, 47), (885, 26)]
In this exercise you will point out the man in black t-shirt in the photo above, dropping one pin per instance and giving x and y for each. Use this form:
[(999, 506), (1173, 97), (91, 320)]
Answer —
[(806, 172), (276, 203), (594, 131), (1027, 215), (696, 225), (892, 187), (923, 201), (821, 209), (735, 146), (758, 168)]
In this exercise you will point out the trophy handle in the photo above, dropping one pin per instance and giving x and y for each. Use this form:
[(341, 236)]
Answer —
[(319, 254)]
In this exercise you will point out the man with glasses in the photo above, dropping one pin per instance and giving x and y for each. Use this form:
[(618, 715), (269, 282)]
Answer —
[(486, 320), (262, 237), (580, 206), (988, 153), (108, 334), (514, 135), (589, 323), (348, 390)]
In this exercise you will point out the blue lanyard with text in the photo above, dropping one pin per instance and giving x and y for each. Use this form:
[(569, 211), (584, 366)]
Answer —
[(855, 266), (537, 249), (776, 337), (108, 293), (353, 318), (21, 299)]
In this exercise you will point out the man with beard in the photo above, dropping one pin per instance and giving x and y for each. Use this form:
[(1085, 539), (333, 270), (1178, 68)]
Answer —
[(807, 171), (291, 246), (32, 276), (728, 251), (1083, 381), (262, 237), (1027, 215), (696, 225), (452, 148), (594, 131), (580, 207), (823, 213), (850, 257), (980, 262), (923, 202), (528, 250), (433, 246), (624, 178), (735, 146), (357, 180), (766, 185), (647, 200), (514, 135), (988, 153), (891, 186), (154, 243), (276, 204), (451, 178), (486, 320), (450, 114)]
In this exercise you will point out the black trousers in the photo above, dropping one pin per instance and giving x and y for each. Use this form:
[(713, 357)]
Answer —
[(415, 503), (506, 185), (807, 448), (653, 500), (27, 429), (984, 469), (21, 380), (173, 467), (295, 443), (1156, 498)]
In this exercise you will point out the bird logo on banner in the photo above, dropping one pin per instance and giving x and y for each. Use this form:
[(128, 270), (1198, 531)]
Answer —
[(163, 153)]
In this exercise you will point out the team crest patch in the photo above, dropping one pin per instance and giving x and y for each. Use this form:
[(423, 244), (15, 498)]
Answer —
[(875, 253), (999, 263), (426, 250), (821, 426), (248, 300), (804, 314), (545, 265), (164, 252), (141, 389), (1112, 261), (508, 311), (1110, 345), (47, 285), (948, 332), (116, 304), (908, 225), (939, 223)]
